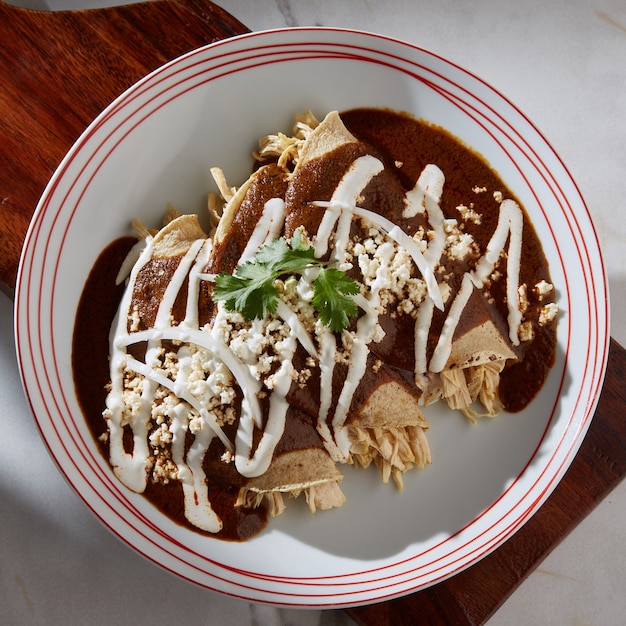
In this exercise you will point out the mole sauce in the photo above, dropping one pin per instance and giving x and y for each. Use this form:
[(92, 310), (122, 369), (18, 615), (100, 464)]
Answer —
[(396, 139)]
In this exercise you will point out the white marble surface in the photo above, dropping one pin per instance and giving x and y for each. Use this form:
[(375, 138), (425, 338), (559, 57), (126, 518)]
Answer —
[(563, 63)]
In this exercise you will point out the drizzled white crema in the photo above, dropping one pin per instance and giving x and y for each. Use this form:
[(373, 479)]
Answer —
[(132, 468), (201, 413), (510, 224)]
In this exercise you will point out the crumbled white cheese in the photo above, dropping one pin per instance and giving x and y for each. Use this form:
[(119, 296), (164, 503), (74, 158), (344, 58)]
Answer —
[(302, 377), (522, 292), (134, 320), (382, 260), (164, 470), (469, 214), (548, 313), (543, 289), (450, 226), (526, 331), (379, 333), (195, 424), (161, 436), (461, 246)]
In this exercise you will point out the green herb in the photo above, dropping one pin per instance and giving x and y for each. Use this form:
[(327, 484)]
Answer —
[(331, 297), (251, 289)]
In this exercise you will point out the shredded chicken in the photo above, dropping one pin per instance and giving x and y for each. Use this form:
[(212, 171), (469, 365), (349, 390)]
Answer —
[(462, 387), (214, 208), (220, 180), (253, 499), (142, 231), (393, 450), (323, 496), (455, 390), (483, 382), (287, 148)]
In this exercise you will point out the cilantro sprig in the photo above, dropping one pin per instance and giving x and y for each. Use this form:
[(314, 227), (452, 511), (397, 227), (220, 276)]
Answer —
[(251, 289)]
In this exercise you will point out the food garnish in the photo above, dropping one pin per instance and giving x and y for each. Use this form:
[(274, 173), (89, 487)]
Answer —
[(252, 289), (369, 267)]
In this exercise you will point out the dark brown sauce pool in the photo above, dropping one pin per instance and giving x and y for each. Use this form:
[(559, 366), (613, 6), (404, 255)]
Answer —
[(416, 144), (395, 138)]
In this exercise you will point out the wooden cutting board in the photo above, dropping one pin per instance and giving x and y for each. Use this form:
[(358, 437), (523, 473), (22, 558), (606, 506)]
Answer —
[(59, 70)]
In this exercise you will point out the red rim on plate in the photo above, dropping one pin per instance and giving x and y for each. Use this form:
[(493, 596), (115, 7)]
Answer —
[(239, 89)]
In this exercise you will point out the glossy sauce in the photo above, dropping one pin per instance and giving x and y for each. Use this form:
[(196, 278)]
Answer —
[(398, 138), (395, 139)]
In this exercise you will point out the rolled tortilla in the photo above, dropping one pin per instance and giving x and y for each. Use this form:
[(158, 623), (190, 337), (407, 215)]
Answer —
[(242, 213), (300, 464), (385, 423), (176, 237)]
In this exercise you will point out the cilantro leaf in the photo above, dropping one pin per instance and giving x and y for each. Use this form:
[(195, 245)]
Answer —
[(253, 297), (331, 297), (286, 258), (296, 241), (272, 253), (251, 291)]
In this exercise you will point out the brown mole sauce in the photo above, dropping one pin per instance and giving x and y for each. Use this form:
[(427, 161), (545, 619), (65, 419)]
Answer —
[(398, 138), (393, 137), (90, 364)]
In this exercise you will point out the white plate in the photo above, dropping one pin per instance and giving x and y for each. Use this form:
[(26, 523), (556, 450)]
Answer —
[(155, 145)]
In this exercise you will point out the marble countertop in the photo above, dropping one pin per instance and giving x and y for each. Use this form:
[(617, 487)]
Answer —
[(563, 63)]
